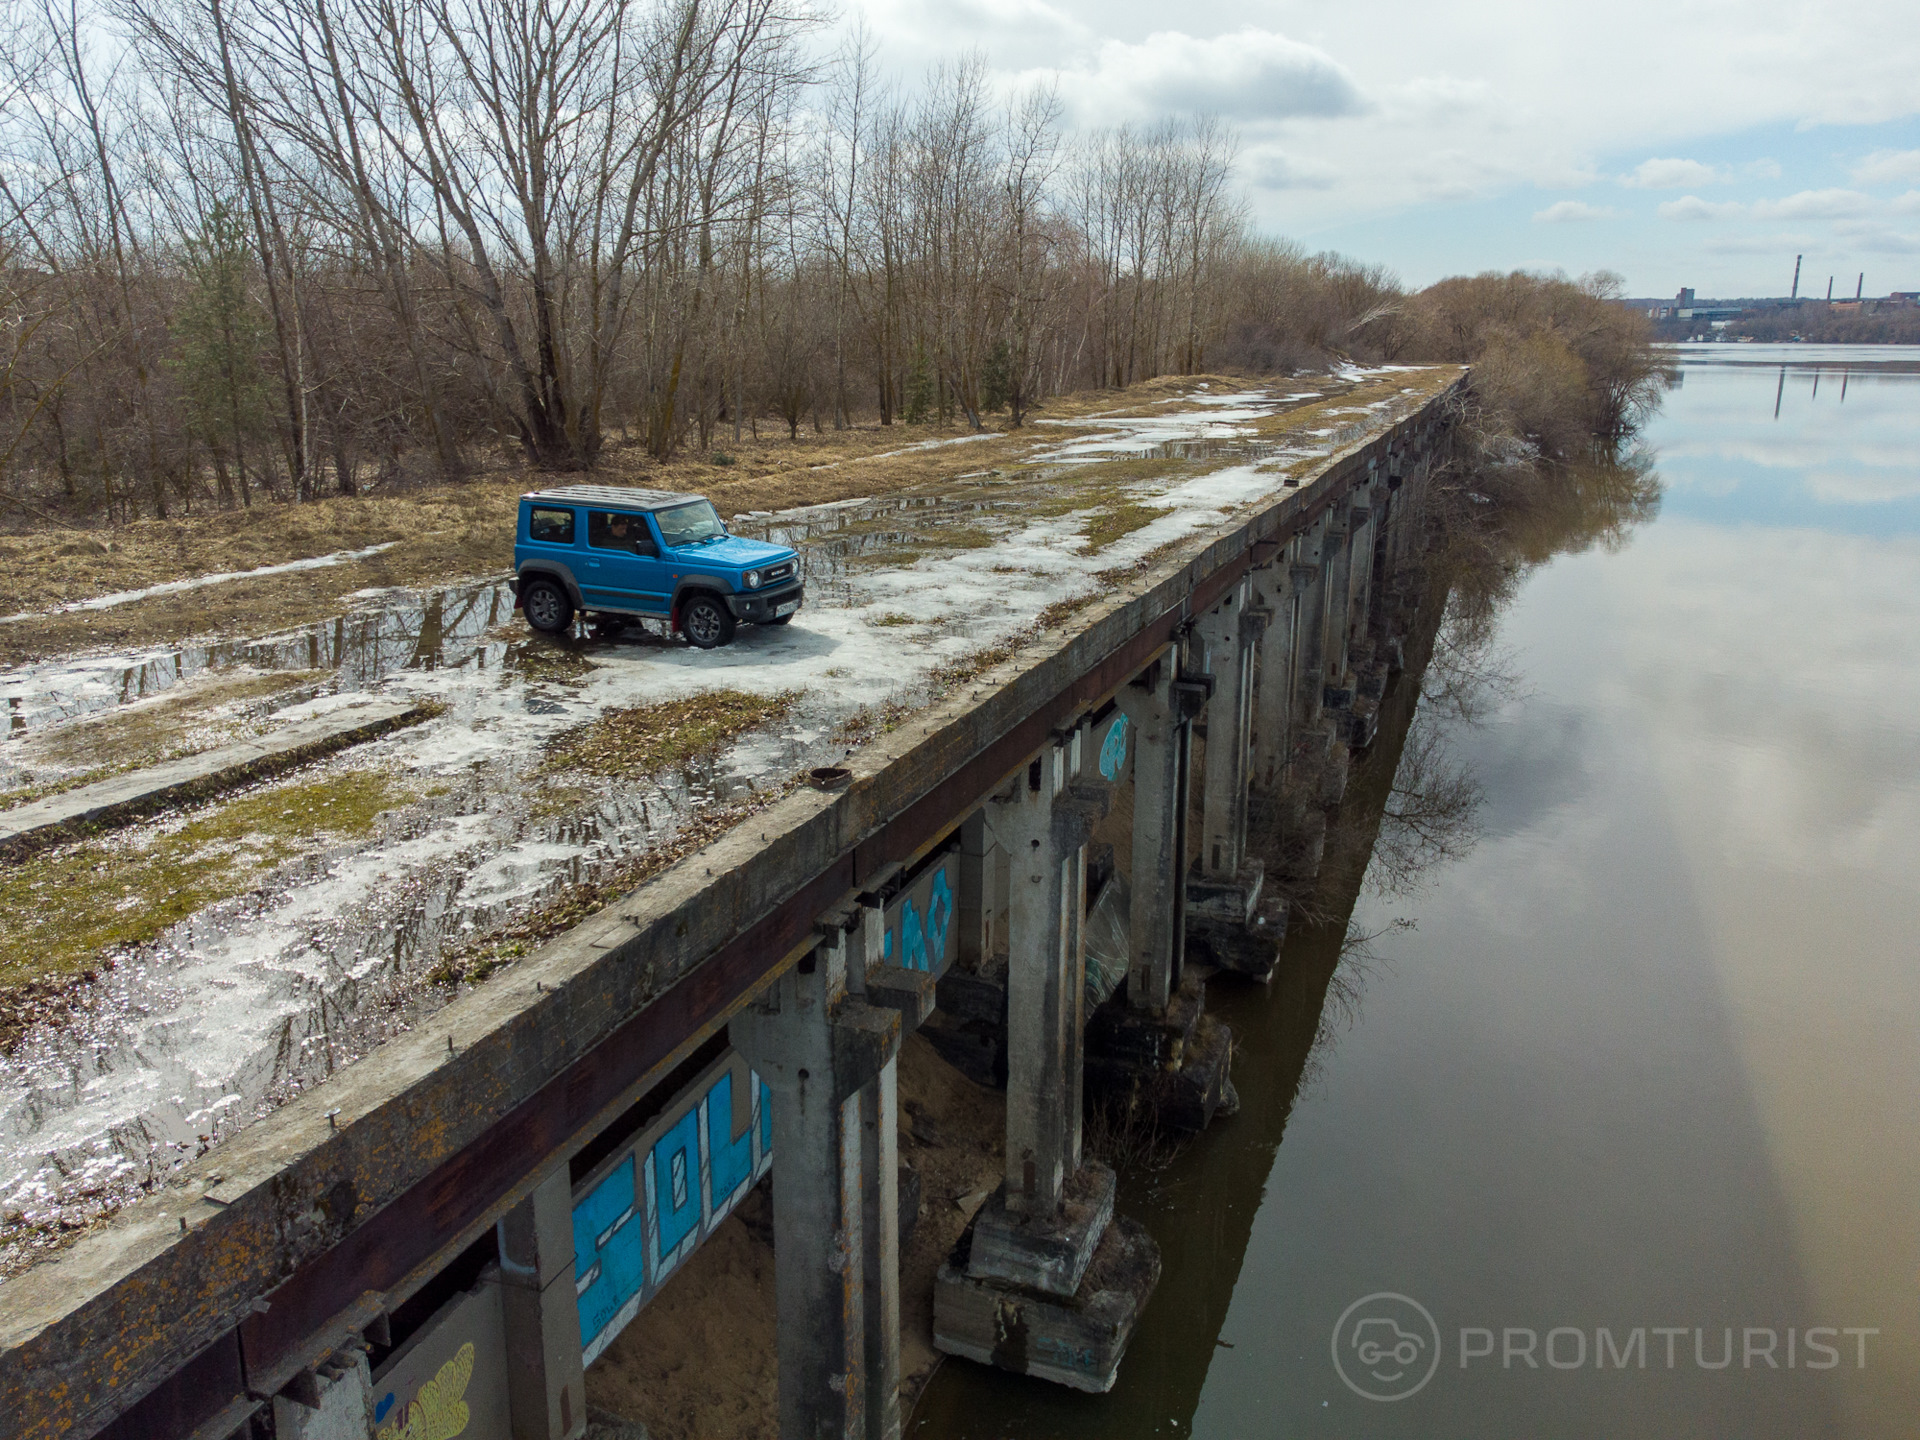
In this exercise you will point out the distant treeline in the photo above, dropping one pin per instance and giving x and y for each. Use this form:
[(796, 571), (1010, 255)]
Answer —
[(1829, 325), (284, 247)]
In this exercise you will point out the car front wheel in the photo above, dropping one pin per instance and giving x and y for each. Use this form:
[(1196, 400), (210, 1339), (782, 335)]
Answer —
[(548, 609), (707, 622)]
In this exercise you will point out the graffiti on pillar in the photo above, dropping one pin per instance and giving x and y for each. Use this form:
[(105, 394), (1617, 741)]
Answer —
[(648, 1207), (919, 920), (1113, 749), (448, 1380)]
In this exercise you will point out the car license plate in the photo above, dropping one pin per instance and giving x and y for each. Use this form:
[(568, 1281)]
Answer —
[(786, 609)]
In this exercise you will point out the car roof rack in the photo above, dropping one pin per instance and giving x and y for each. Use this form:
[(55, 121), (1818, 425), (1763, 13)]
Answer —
[(631, 496)]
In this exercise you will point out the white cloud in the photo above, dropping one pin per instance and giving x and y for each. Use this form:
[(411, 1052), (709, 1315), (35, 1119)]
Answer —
[(1761, 244), (1888, 167), (1692, 207), (1569, 211), (1814, 205), (1248, 75), (1907, 204), (1882, 240), (1277, 170), (1672, 175)]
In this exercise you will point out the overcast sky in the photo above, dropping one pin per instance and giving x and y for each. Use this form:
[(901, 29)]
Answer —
[(1686, 142)]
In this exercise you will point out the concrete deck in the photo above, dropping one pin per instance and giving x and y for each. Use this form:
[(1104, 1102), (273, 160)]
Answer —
[(123, 798)]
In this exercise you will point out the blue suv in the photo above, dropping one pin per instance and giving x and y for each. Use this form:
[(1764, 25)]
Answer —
[(606, 549)]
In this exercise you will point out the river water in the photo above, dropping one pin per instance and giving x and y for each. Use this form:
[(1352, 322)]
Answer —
[(1616, 1110)]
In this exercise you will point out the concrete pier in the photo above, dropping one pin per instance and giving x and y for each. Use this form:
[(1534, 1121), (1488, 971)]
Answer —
[(826, 1056), (1020, 1298)]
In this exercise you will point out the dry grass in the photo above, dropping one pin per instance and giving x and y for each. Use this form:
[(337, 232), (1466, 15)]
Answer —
[(447, 532), (632, 744)]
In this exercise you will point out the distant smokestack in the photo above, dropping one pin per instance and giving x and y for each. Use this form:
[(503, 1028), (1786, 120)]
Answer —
[(1860, 285), (1795, 295), (1829, 287)]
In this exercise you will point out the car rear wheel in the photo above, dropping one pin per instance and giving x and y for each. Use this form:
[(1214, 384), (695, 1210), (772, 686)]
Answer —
[(708, 623), (548, 609)]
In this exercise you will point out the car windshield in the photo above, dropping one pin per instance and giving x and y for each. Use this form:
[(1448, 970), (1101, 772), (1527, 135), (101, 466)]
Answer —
[(689, 524)]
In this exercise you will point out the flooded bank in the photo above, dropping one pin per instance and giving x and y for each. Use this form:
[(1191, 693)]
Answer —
[(1618, 1085)]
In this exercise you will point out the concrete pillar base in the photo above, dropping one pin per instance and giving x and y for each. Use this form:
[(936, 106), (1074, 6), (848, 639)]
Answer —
[(1044, 1252), (1250, 947), (969, 1029), (1306, 847), (1235, 924), (1228, 901), (1333, 775), (1075, 1340), (1168, 1072)]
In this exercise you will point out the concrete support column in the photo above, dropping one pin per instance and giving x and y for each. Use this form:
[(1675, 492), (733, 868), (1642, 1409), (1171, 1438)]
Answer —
[(983, 867), (1046, 1282), (1223, 805), (1157, 919), (827, 1057), (1275, 681), (546, 1384), (1339, 574), (1309, 660), (1037, 822)]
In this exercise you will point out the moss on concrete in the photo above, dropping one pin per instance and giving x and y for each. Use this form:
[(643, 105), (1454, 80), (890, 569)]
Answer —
[(63, 911), (634, 743)]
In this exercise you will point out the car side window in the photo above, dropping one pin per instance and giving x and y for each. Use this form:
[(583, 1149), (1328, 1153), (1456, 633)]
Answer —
[(550, 526), (618, 530)]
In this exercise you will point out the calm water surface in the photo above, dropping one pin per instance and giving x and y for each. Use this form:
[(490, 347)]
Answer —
[(1649, 1058)]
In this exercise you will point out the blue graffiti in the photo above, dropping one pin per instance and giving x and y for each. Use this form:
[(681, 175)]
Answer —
[(676, 1156), (939, 915), (923, 943), (732, 1159), (913, 939), (609, 1253), (656, 1202), (1113, 753)]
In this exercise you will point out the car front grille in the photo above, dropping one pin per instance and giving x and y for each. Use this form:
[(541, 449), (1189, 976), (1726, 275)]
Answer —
[(778, 572)]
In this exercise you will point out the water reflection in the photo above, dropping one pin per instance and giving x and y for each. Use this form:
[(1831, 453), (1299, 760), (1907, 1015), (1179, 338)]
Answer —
[(1646, 1058)]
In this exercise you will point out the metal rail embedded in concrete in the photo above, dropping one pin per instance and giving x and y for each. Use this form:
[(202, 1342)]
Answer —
[(124, 798)]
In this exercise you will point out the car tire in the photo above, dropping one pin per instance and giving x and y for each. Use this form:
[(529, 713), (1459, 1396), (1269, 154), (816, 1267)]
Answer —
[(547, 607), (706, 622)]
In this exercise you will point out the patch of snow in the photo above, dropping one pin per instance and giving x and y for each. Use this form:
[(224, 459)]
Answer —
[(174, 587)]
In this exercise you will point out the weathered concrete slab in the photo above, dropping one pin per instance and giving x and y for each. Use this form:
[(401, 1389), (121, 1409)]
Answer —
[(1077, 1341), (124, 798), (348, 1198)]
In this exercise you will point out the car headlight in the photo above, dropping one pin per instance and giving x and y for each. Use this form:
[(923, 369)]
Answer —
[(752, 577)]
